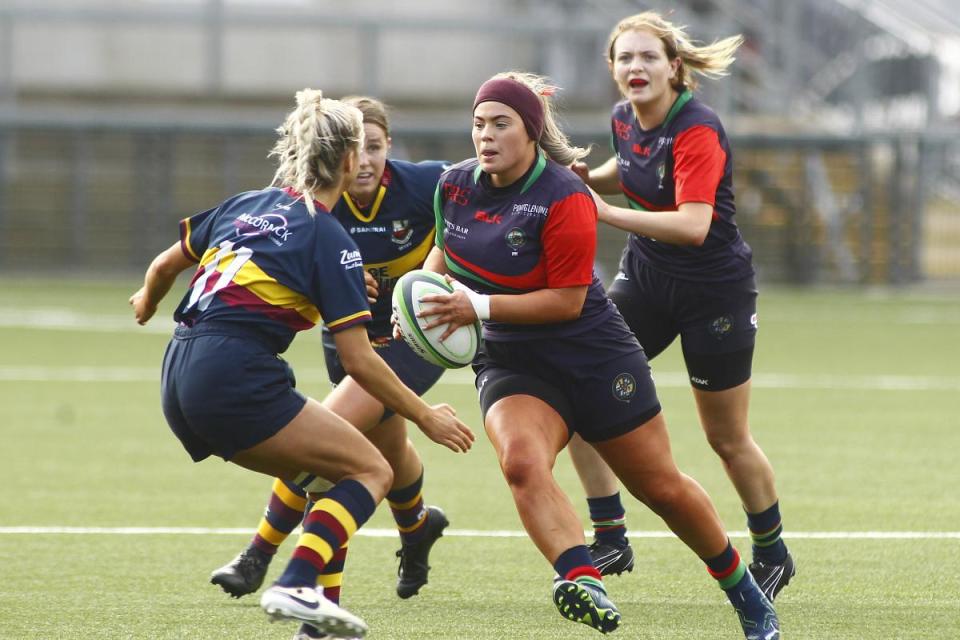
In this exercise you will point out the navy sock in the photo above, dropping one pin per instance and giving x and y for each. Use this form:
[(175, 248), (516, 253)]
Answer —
[(765, 530), (609, 519)]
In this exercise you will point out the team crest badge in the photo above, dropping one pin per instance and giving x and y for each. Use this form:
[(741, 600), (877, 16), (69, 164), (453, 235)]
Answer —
[(401, 231), (515, 239), (720, 327), (624, 386)]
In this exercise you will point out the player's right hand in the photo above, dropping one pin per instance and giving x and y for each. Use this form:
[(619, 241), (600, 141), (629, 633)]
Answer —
[(443, 427), (142, 310), (373, 289)]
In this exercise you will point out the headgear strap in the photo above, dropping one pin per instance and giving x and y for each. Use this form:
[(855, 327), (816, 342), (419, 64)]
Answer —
[(517, 96)]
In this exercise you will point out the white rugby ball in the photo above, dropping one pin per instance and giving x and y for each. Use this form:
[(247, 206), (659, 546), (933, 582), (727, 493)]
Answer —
[(458, 349)]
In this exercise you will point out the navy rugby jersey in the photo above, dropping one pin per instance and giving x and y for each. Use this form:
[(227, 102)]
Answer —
[(685, 159), (264, 261), (540, 232), (395, 232)]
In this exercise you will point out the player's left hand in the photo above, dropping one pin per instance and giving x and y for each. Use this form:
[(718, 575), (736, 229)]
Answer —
[(602, 206)]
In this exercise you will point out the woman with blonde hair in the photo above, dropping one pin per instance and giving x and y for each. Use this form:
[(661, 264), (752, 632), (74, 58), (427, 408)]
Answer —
[(272, 262), (685, 271), (517, 230), (388, 211)]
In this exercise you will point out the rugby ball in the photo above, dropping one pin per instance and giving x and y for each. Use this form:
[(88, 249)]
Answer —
[(458, 349)]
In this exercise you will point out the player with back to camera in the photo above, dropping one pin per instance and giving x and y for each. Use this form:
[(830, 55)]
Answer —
[(271, 263), (685, 270), (388, 211), (517, 229)]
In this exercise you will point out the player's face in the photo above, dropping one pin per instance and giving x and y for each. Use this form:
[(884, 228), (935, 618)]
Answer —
[(373, 159), (504, 149), (641, 69)]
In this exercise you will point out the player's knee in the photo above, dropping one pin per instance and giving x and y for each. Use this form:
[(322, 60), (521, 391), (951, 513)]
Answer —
[(729, 444), (521, 469), (662, 493)]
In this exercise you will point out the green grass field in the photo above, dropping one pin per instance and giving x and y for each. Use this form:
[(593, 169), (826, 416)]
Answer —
[(855, 401)]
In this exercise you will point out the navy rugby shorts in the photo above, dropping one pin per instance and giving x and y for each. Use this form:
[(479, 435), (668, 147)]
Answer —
[(600, 384), (716, 321), (413, 371), (225, 390)]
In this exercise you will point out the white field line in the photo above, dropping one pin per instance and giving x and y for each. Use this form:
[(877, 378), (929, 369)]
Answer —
[(664, 379), (469, 533)]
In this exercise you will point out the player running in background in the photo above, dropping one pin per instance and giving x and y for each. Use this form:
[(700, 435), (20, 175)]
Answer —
[(518, 231), (272, 263), (685, 271), (388, 211)]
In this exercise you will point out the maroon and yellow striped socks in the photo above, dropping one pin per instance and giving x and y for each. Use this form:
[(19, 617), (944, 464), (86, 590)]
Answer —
[(609, 519), (409, 513), (766, 528), (283, 513), (331, 577), (326, 529), (727, 568)]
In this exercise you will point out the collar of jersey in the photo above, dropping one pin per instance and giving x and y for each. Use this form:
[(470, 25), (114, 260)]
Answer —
[(374, 208), (535, 173), (678, 104)]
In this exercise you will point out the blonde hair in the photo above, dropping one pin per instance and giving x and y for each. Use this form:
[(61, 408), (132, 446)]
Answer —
[(709, 60), (373, 110), (314, 139), (553, 141)]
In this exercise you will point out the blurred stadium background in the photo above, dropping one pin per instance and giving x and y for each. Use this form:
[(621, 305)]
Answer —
[(118, 117)]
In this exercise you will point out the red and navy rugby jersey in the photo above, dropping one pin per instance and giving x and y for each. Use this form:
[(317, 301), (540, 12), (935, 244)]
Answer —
[(540, 232), (685, 159), (395, 232), (264, 261)]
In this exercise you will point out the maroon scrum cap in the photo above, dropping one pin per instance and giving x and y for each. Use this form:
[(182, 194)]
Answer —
[(517, 96)]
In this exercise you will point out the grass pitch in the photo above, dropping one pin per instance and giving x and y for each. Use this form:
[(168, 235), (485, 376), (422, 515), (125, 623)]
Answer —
[(855, 402)]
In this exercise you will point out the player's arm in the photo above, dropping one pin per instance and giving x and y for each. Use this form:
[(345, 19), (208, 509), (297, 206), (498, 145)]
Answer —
[(434, 261), (604, 179), (160, 276), (361, 362), (699, 163), (687, 226)]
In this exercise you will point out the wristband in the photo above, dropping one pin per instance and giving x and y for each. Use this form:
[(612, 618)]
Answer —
[(479, 301)]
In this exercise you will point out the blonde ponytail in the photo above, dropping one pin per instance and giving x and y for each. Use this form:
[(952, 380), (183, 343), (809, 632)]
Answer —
[(313, 141)]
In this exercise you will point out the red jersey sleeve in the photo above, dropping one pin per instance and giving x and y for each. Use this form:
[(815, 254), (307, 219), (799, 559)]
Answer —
[(570, 241), (699, 161)]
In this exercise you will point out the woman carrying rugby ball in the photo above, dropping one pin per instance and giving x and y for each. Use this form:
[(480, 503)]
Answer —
[(517, 230)]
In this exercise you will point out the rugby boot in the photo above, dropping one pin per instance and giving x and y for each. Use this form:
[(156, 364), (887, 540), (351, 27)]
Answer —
[(308, 604), (414, 566), (611, 558), (757, 617), (773, 577), (587, 603), (310, 632), (244, 574)]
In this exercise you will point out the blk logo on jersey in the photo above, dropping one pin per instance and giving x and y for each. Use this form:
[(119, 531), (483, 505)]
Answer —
[(483, 216), (640, 151), (401, 231)]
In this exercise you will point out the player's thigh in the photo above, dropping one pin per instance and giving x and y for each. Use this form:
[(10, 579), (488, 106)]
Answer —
[(644, 311), (316, 441)]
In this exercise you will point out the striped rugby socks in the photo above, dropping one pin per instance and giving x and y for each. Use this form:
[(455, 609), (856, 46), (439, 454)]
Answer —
[(326, 529)]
